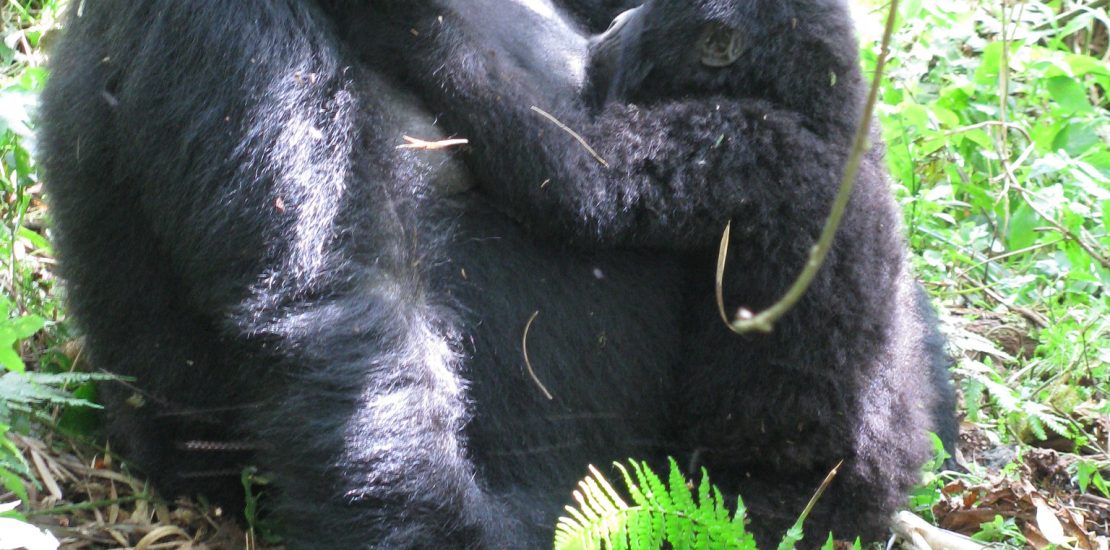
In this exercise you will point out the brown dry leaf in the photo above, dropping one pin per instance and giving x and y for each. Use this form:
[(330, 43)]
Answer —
[(964, 513), (1049, 469), (130, 515), (1048, 525), (113, 510), (1011, 333), (1034, 537), (45, 475), (1074, 526), (163, 532)]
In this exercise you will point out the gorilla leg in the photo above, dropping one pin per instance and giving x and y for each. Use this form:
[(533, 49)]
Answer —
[(846, 375), (123, 288), (821, 389), (364, 426), (174, 431)]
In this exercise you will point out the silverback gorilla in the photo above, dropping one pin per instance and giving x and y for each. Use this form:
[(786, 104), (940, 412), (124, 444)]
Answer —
[(242, 237)]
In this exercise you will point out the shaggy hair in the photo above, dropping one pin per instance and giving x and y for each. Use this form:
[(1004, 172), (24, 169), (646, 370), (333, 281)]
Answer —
[(240, 234)]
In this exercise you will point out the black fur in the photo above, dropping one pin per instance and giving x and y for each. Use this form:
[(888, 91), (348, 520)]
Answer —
[(762, 142), (596, 15), (241, 235)]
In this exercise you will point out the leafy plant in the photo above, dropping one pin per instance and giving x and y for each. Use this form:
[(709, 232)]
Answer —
[(1088, 474), (27, 305), (1001, 529), (661, 513), (28, 395), (13, 330), (929, 492), (257, 525)]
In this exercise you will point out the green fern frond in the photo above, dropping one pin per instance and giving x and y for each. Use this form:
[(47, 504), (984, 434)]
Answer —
[(661, 513), (22, 391)]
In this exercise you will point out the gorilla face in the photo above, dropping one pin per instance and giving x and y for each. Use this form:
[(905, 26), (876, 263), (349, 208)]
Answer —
[(698, 48), (622, 58)]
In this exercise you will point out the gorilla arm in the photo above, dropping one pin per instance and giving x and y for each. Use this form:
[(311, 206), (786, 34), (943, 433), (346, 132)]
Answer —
[(740, 142)]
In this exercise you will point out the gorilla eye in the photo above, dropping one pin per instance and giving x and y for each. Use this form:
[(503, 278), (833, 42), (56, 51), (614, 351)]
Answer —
[(719, 45)]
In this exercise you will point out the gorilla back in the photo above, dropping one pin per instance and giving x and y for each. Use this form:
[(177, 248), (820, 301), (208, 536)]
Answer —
[(240, 233)]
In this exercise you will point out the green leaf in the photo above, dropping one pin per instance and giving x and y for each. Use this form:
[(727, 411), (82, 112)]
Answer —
[(945, 118), (1082, 65), (13, 484), (32, 388), (1077, 138), (680, 493), (14, 330), (1082, 21), (979, 137), (37, 240), (1022, 225), (1069, 95), (11, 360), (664, 514), (987, 73)]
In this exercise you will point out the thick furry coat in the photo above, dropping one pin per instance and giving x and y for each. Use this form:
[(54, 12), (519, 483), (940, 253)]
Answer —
[(240, 234)]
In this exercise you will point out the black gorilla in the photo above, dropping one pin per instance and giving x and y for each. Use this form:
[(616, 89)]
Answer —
[(240, 234)]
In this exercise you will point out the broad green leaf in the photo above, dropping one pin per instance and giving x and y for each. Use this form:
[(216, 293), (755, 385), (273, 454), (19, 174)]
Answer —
[(13, 484), (11, 332), (1069, 94), (979, 137), (1077, 138), (1084, 64)]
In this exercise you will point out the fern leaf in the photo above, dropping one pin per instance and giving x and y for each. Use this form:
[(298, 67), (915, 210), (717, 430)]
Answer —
[(792, 537), (657, 494), (680, 494), (663, 513), (720, 512), (706, 503), (650, 525), (738, 524), (607, 488), (634, 491)]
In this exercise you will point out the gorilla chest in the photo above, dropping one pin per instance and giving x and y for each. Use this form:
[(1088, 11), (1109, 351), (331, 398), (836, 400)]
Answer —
[(562, 346)]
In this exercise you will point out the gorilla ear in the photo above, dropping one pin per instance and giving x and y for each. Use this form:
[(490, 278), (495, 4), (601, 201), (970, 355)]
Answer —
[(720, 45)]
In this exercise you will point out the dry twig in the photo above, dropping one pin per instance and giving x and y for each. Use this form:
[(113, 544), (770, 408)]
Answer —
[(416, 143)]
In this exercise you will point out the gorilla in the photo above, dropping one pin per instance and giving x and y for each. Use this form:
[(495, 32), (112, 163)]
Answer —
[(425, 348)]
